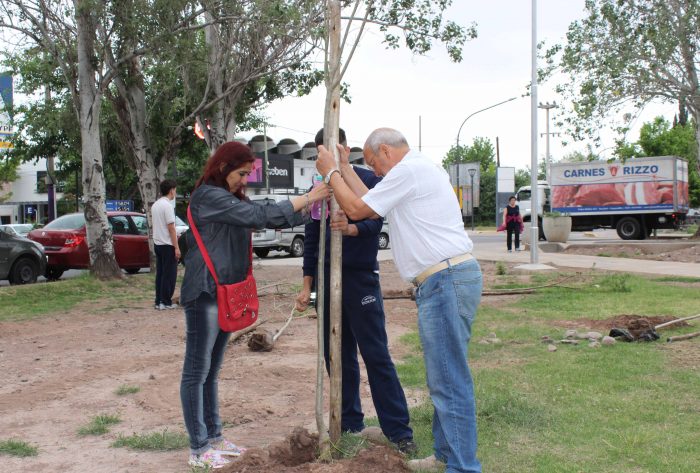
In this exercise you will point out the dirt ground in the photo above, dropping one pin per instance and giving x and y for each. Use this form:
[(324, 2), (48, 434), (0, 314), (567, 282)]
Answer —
[(685, 253), (62, 370)]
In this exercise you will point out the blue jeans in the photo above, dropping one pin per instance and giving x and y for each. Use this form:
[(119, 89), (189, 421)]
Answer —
[(204, 352), (447, 303)]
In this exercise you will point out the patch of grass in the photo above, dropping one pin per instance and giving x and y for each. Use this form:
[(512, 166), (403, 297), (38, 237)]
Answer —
[(155, 441), (604, 255), (578, 409), (618, 282), (125, 389), (17, 448), (99, 425), (684, 279), (350, 445), (24, 302), (501, 268)]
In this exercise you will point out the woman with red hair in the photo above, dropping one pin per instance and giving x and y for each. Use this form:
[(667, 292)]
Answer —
[(225, 219)]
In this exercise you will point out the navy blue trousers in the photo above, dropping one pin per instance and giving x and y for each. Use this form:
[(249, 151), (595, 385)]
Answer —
[(166, 273), (363, 328)]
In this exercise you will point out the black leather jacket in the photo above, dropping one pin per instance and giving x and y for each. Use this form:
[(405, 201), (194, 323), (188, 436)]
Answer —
[(225, 224)]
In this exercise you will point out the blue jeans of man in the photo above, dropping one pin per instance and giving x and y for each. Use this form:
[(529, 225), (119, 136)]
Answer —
[(204, 352), (447, 302), (166, 273), (363, 327)]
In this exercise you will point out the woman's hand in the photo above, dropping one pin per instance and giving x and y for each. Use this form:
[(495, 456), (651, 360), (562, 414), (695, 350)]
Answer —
[(319, 192)]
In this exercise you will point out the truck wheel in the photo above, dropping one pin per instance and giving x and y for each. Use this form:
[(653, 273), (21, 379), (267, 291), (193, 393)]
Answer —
[(261, 252), (383, 241), (297, 248), (628, 228), (24, 271)]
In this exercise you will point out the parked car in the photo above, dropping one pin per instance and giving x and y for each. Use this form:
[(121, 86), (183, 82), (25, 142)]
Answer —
[(693, 216), (21, 229), (21, 260), (65, 243), (265, 240), (180, 226), (384, 236)]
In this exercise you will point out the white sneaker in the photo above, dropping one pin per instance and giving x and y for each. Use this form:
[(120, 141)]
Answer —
[(209, 459), (171, 306), (159, 307), (228, 448)]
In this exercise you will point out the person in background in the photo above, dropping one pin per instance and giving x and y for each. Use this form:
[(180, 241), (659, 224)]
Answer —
[(225, 219), (432, 251), (165, 245), (514, 224), (363, 319)]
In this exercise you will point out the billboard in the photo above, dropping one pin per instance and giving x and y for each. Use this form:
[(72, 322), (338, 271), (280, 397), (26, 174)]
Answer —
[(280, 171)]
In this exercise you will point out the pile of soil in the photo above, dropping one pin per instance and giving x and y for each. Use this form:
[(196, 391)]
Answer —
[(627, 321), (684, 253), (297, 454)]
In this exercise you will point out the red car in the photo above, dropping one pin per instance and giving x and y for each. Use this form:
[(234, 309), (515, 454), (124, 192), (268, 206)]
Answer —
[(66, 247)]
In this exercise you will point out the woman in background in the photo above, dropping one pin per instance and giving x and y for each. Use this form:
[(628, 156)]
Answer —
[(514, 224)]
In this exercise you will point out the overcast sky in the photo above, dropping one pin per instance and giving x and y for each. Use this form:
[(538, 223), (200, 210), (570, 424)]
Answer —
[(393, 88)]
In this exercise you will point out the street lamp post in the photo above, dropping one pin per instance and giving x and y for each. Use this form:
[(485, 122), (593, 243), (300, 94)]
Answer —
[(472, 171), (534, 206), (479, 111)]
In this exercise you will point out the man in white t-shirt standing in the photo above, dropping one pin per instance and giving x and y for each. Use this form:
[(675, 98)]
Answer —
[(165, 245), (431, 250)]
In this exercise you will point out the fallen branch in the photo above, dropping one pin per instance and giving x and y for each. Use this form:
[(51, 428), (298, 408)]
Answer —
[(408, 293), (236, 335), (264, 340), (683, 337), (673, 322)]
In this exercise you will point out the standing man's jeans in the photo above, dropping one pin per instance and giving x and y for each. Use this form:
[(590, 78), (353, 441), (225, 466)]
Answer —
[(447, 303), (204, 353), (166, 273)]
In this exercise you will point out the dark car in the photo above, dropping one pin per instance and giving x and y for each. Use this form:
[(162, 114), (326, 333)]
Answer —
[(21, 260), (65, 242)]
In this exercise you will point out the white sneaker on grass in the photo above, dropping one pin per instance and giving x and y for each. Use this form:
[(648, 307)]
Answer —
[(209, 459)]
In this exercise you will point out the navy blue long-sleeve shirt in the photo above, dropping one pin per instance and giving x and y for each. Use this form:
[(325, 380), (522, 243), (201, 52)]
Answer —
[(359, 252)]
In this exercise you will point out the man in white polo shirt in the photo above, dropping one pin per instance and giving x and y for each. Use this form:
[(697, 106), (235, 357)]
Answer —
[(165, 245), (432, 251)]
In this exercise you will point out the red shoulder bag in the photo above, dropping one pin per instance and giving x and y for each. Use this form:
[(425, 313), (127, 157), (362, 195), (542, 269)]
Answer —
[(238, 303)]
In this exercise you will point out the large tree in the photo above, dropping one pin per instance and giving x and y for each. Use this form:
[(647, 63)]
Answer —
[(623, 55)]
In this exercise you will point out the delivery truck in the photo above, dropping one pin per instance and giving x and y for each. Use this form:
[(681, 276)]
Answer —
[(635, 197)]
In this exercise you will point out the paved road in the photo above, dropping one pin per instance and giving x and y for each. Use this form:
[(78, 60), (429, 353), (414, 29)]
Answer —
[(490, 246)]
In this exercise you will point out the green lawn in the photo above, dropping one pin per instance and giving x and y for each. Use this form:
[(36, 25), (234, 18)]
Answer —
[(625, 408)]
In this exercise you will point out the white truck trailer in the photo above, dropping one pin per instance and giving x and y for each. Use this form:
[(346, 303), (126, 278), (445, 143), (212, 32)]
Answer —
[(635, 197)]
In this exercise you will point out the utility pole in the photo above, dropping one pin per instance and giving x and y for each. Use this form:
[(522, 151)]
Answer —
[(50, 171), (548, 159)]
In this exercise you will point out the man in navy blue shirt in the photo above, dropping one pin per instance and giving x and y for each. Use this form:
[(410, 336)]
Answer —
[(363, 320)]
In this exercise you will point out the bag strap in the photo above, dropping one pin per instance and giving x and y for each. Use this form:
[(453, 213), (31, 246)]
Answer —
[(205, 253)]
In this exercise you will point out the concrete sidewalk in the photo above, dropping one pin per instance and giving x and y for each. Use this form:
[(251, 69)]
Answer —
[(497, 252)]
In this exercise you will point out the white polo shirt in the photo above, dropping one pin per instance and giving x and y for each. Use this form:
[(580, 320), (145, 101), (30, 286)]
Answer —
[(425, 221), (162, 213)]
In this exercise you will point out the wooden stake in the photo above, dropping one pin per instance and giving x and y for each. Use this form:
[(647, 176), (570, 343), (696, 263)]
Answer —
[(683, 337), (673, 322), (330, 138)]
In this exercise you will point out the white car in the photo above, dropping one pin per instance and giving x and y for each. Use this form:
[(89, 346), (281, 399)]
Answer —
[(19, 229), (180, 226), (290, 240)]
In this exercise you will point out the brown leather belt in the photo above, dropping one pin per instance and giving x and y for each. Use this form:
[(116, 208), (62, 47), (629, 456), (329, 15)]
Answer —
[(455, 260)]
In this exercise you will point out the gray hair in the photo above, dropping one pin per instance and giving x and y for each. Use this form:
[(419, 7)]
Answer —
[(385, 136)]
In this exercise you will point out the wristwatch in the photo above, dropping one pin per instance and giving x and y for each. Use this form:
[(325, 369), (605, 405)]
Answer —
[(327, 179)]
